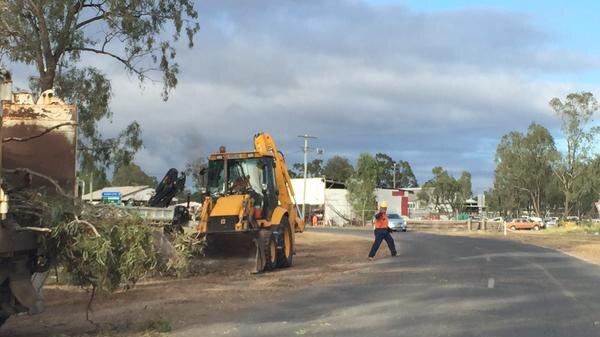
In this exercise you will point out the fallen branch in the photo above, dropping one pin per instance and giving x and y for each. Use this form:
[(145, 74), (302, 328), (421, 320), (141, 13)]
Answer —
[(34, 229), (43, 176), (18, 139), (87, 224)]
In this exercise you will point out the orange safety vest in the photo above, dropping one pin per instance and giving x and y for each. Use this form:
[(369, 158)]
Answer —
[(382, 222)]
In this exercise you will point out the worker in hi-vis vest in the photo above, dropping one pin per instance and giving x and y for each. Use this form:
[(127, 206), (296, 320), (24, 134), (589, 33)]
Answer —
[(382, 231)]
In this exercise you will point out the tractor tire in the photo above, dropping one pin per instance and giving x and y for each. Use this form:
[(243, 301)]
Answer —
[(271, 253), (286, 254)]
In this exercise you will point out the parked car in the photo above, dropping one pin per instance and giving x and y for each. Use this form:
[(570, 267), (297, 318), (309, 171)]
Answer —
[(523, 223), (570, 221), (551, 221), (396, 222)]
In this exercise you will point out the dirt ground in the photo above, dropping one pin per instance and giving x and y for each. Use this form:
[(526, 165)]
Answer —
[(583, 246), (160, 305)]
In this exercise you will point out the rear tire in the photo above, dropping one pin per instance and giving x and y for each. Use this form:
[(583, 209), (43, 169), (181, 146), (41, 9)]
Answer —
[(536, 228), (286, 255)]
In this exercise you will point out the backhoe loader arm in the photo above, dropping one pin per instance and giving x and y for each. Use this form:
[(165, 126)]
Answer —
[(265, 145)]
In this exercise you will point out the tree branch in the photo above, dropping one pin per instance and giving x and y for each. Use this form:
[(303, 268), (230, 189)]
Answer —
[(43, 176), (66, 31), (17, 139), (90, 20), (125, 62), (44, 33), (94, 230)]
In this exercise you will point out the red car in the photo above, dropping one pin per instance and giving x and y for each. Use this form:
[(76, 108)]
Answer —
[(523, 224)]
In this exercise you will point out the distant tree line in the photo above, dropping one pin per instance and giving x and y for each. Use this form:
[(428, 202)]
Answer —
[(534, 175)]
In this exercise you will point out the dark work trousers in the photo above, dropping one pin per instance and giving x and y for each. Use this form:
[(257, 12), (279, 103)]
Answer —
[(380, 235)]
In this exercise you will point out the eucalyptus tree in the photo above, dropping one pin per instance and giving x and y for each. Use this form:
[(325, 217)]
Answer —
[(575, 114), (524, 163)]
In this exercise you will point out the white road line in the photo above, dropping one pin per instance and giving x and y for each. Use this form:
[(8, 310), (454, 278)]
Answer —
[(491, 283), (487, 258)]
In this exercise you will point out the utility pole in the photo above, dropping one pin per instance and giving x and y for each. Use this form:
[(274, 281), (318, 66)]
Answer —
[(395, 163), (306, 138), (91, 187)]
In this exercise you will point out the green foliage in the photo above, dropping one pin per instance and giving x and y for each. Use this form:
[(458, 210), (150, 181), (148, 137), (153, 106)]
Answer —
[(157, 325), (388, 168), (405, 176), (97, 175), (575, 114), (523, 170), (385, 176), (129, 32), (120, 254), (362, 184), (587, 189), (132, 175), (314, 169), (102, 247), (446, 193), (338, 168)]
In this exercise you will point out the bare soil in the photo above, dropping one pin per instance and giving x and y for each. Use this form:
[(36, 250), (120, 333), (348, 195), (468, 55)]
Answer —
[(177, 303)]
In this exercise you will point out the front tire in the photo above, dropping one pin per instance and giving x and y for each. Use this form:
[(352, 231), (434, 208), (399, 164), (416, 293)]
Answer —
[(271, 253), (286, 255)]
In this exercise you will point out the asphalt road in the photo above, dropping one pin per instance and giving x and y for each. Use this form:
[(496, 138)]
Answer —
[(439, 286)]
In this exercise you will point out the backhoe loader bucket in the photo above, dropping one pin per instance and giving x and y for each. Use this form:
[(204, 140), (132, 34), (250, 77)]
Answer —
[(238, 250)]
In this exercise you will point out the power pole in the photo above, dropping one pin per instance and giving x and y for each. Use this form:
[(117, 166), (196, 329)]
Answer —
[(395, 163), (306, 138)]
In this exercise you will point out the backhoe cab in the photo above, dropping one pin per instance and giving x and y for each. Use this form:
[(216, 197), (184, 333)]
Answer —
[(249, 210)]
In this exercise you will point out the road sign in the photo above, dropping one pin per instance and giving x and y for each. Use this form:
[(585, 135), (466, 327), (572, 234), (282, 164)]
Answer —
[(111, 197), (481, 201)]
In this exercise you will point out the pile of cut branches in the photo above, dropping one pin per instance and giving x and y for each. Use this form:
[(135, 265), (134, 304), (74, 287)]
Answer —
[(101, 247)]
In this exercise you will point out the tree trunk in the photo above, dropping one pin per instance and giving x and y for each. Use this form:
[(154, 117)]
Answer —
[(567, 199), (47, 79), (363, 213)]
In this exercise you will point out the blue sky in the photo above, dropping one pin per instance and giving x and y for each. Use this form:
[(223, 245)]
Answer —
[(430, 82)]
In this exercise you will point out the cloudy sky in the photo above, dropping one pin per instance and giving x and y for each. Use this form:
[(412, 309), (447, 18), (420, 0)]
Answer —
[(431, 82)]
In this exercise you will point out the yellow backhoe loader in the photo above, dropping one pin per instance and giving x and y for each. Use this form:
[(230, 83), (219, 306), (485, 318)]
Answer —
[(249, 209)]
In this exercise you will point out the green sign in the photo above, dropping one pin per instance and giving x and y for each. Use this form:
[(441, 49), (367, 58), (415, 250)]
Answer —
[(111, 198)]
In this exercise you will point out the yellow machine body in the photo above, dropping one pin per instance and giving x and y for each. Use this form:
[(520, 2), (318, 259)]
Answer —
[(250, 206)]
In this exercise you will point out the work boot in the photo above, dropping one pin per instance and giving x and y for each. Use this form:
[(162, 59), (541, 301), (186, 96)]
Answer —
[(371, 258)]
